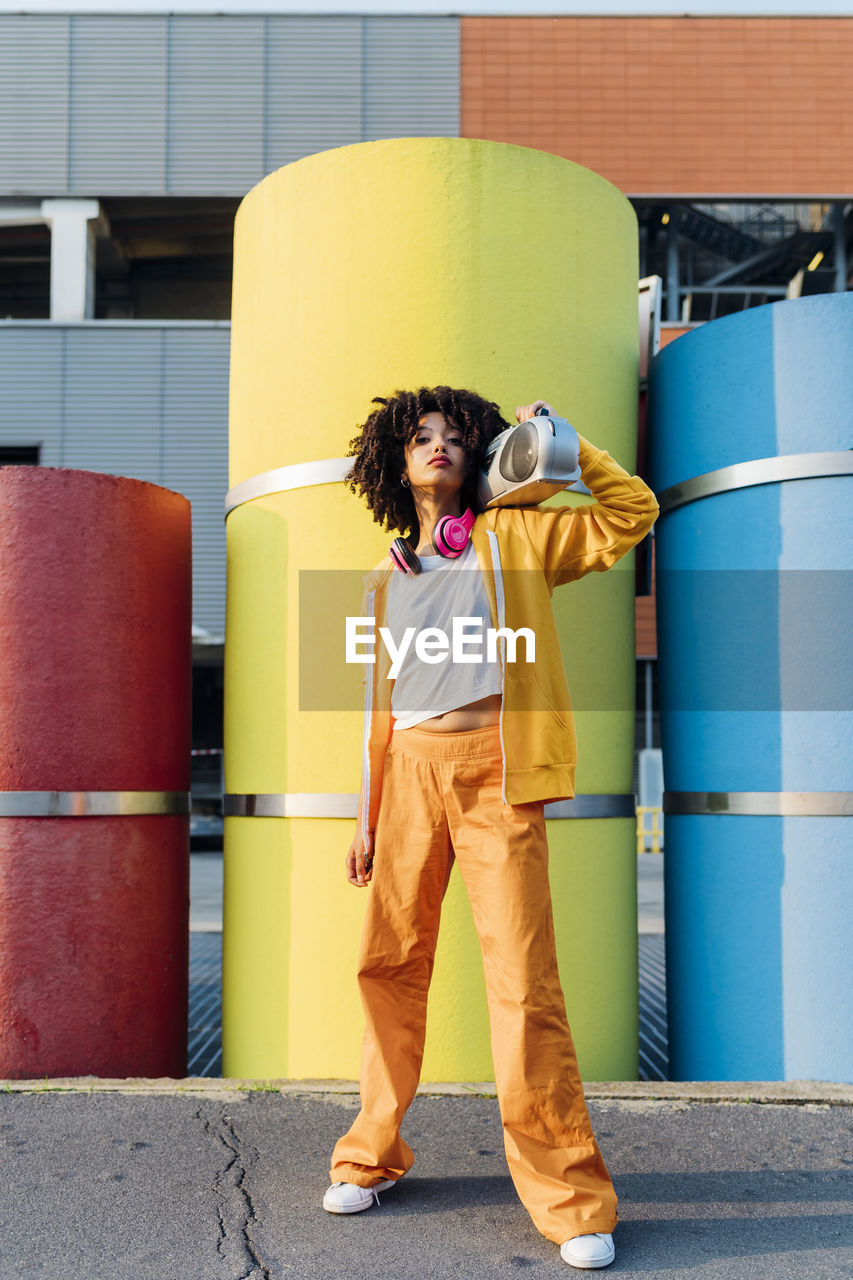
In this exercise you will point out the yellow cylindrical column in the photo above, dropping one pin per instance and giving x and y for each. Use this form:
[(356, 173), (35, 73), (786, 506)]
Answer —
[(357, 272)]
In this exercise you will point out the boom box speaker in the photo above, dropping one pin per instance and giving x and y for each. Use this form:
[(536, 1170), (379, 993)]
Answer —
[(529, 462)]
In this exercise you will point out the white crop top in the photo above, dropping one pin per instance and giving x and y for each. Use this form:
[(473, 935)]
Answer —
[(440, 680)]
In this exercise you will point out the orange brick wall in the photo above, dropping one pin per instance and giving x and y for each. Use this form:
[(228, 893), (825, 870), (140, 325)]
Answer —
[(671, 105), (646, 630), (645, 621), (669, 332)]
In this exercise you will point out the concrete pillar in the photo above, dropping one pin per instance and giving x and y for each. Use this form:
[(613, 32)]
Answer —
[(359, 270), (95, 702), (751, 462), (72, 257)]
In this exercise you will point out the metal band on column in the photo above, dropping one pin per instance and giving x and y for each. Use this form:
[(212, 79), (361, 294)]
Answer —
[(301, 475), (92, 804), (791, 466), (784, 804), (342, 804), (297, 476)]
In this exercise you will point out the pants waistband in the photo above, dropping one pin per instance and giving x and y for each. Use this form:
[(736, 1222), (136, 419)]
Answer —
[(464, 744)]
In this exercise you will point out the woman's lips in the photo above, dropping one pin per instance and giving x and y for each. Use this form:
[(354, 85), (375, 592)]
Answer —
[(440, 462)]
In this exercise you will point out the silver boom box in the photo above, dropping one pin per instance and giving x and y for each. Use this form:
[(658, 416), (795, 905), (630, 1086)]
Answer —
[(527, 463)]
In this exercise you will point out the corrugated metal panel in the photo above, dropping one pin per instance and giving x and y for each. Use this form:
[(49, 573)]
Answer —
[(411, 74), (122, 104), (314, 86), (112, 401), (146, 401), (33, 104), (118, 104), (195, 454), (31, 403), (216, 104)]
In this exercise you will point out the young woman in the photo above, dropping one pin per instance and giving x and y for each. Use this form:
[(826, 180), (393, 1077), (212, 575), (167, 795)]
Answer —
[(459, 760)]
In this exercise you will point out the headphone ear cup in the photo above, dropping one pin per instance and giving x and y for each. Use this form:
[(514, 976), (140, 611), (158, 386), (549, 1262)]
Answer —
[(451, 533), (404, 557)]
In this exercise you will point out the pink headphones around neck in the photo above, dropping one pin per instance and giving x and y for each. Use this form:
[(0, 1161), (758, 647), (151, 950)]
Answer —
[(449, 538)]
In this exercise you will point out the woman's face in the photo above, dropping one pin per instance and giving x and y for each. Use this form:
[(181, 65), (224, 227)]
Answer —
[(435, 455)]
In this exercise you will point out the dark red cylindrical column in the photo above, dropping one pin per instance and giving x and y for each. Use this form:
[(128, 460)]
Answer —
[(95, 696)]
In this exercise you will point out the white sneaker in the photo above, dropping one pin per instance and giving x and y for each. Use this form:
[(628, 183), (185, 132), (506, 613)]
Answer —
[(595, 1250), (347, 1197)]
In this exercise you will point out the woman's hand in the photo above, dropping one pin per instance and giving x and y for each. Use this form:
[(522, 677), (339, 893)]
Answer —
[(525, 411), (357, 873)]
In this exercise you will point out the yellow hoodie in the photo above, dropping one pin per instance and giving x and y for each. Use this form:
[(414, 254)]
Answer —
[(553, 545)]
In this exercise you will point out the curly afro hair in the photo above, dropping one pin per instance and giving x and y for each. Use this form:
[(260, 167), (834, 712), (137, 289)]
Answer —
[(379, 449)]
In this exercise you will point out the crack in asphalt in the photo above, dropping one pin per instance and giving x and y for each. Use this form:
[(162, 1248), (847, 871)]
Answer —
[(234, 1244)]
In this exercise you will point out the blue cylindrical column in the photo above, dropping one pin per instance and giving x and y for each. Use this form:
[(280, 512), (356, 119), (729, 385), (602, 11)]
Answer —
[(751, 424)]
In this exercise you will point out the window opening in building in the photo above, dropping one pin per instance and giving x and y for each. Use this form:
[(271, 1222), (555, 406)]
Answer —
[(19, 455)]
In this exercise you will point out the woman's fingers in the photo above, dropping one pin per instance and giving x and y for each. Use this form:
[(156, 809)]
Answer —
[(357, 874), (525, 411)]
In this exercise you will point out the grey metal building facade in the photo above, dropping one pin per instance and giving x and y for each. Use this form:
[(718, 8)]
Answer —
[(144, 400), (185, 104)]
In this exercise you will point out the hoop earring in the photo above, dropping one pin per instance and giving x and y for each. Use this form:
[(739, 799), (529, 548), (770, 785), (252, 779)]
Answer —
[(404, 482)]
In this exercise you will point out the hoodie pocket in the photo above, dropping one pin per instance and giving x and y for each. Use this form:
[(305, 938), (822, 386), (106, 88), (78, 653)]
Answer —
[(532, 697)]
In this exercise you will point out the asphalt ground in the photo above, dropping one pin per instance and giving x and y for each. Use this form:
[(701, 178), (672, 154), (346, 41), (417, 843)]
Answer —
[(196, 1180)]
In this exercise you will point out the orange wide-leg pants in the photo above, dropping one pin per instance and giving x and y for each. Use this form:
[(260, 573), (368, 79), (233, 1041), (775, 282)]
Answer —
[(441, 797)]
